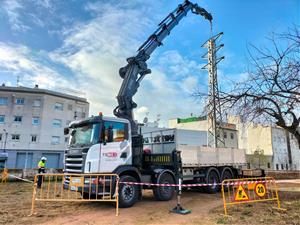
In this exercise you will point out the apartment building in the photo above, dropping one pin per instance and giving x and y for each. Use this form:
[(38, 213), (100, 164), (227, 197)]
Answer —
[(32, 122)]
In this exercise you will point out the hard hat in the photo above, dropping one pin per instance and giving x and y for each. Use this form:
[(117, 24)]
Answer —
[(44, 158)]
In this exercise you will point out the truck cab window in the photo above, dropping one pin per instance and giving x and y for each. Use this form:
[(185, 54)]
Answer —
[(85, 134), (115, 131)]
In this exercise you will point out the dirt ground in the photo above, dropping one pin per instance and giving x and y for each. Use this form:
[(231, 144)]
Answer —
[(207, 209)]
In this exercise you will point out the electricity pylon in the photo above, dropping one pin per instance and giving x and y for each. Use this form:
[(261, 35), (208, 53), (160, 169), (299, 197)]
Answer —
[(215, 135)]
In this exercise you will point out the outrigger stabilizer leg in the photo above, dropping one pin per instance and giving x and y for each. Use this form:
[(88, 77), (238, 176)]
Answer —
[(178, 208)]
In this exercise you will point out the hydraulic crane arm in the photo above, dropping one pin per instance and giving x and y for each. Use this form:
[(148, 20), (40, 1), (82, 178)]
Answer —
[(136, 69)]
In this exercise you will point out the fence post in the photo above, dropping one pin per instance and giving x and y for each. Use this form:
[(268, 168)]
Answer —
[(276, 191), (224, 200), (33, 195), (117, 196)]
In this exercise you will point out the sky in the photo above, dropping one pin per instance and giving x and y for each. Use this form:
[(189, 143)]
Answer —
[(78, 46)]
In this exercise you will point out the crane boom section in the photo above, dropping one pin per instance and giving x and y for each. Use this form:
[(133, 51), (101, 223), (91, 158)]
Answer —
[(136, 69)]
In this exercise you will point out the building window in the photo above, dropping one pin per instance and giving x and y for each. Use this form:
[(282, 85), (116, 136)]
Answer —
[(277, 167), (225, 134), (18, 119), (70, 107), (286, 166), (33, 138), (15, 137), (55, 140), (83, 115), (66, 139), (282, 167), (20, 101), (3, 101), (35, 120), (2, 118), (231, 135), (37, 103), (269, 165), (59, 106), (0, 137), (75, 115), (56, 123)]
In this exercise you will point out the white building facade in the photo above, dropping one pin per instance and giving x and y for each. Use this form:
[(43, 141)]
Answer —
[(279, 149), (229, 131), (286, 153), (32, 122)]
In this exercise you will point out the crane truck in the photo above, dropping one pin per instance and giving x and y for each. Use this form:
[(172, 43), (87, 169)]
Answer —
[(101, 144)]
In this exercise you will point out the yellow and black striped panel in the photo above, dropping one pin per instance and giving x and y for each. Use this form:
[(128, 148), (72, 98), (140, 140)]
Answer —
[(159, 159)]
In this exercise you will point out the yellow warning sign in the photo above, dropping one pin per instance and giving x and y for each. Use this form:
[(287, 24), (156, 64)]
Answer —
[(249, 190), (241, 194), (260, 189)]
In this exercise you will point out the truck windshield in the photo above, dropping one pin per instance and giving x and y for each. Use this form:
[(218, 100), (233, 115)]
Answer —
[(87, 134)]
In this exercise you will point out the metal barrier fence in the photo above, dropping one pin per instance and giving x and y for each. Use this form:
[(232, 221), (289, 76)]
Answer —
[(75, 188), (248, 190)]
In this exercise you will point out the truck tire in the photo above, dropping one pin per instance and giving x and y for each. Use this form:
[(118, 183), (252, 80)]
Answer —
[(128, 193), (164, 193), (85, 195), (226, 174), (212, 177)]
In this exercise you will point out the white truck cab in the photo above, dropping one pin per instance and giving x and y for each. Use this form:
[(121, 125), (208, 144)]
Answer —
[(98, 145)]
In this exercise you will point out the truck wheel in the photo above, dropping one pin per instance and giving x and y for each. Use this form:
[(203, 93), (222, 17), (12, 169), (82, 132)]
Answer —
[(164, 193), (85, 195), (128, 193), (226, 174), (212, 178)]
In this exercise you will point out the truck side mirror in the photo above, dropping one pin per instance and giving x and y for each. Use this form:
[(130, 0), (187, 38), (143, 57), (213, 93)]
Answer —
[(66, 131)]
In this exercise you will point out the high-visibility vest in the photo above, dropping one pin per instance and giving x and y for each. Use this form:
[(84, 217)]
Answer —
[(41, 164)]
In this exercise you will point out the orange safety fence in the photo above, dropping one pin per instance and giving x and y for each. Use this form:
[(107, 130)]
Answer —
[(75, 188)]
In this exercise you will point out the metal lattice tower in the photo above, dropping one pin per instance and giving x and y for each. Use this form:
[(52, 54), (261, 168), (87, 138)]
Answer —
[(215, 136)]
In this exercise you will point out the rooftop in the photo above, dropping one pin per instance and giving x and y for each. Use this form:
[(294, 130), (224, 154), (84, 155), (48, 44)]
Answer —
[(37, 90)]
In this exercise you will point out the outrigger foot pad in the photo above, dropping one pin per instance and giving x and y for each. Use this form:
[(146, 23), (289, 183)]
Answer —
[(179, 210)]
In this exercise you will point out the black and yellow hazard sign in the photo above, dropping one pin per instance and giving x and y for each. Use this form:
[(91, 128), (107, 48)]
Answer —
[(241, 194), (260, 189)]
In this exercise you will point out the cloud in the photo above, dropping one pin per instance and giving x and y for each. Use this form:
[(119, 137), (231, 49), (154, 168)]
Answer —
[(19, 60), (95, 50), (177, 65), (141, 112), (12, 9)]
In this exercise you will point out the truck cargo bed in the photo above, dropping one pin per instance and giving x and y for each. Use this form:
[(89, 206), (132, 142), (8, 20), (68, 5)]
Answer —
[(196, 156), (192, 145)]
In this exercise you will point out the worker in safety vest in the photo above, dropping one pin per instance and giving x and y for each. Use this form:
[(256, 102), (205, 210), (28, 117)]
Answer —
[(41, 166)]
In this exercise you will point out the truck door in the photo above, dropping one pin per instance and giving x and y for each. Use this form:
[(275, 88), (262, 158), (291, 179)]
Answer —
[(115, 147)]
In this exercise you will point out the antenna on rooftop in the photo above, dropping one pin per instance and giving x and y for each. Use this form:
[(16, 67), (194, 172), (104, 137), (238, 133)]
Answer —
[(18, 81)]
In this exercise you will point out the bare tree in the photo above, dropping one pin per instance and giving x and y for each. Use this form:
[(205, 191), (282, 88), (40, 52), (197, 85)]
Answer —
[(271, 93)]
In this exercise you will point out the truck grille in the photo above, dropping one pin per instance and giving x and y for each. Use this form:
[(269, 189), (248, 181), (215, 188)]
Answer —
[(74, 163)]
